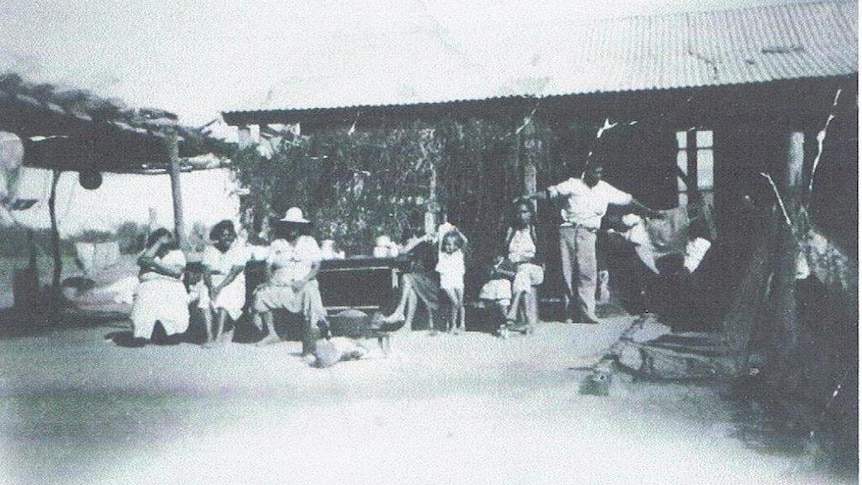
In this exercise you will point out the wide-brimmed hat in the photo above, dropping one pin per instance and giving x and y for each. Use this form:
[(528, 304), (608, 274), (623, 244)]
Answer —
[(294, 215)]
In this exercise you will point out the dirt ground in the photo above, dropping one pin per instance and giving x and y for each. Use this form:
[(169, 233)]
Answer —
[(75, 408)]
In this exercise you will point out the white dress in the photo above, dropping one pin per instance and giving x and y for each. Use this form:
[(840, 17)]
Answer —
[(451, 269), (161, 298), (231, 297)]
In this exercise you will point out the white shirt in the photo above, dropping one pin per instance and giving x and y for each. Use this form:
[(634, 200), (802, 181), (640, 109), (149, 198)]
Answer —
[(222, 262), (586, 206), (174, 259), (293, 262), (522, 247), (451, 264)]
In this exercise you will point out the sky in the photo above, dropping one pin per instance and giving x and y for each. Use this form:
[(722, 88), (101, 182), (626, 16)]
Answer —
[(197, 58), (208, 197)]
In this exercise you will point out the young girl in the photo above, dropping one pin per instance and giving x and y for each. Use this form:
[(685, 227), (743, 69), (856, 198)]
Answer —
[(450, 265)]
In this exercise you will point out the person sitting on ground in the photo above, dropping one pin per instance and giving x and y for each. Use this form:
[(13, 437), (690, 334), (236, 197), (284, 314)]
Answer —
[(450, 266), (291, 282), (419, 282), (224, 278), (522, 247), (160, 311)]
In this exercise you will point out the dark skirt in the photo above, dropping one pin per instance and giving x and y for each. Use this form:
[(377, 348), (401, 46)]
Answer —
[(427, 288)]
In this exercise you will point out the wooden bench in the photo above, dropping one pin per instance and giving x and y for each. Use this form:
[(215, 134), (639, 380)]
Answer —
[(367, 285)]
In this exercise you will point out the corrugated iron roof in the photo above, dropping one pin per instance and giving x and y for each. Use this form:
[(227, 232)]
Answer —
[(696, 49), (749, 45)]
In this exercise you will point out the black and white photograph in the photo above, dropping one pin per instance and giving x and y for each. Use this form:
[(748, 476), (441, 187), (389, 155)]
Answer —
[(429, 242)]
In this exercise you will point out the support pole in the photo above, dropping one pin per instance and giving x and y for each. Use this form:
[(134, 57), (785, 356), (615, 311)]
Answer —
[(433, 203), (431, 147), (785, 276), (529, 141), (55, 232), (55, 296), (179, 222)]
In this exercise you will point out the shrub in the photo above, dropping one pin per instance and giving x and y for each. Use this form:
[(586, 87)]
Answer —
[(131, 237), (14, 243)]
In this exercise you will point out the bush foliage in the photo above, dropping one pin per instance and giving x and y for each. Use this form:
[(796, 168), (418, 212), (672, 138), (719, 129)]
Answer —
[(356, 185)]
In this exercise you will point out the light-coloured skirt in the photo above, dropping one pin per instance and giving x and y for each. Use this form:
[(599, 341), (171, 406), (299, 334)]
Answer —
[(231, 297), (160, 299), (499, 289), (306, 301), (527, 276)]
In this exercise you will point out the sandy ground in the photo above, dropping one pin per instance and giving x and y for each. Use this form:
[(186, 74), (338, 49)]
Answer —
[(474, 409)]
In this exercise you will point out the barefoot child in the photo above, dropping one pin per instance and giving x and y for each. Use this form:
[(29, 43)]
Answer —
[(450, 265)]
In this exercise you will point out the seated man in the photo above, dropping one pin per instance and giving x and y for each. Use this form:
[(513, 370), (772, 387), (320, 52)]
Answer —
[(291, 269)]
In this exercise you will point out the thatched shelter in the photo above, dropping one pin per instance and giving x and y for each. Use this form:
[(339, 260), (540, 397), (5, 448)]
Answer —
[(73, 130)]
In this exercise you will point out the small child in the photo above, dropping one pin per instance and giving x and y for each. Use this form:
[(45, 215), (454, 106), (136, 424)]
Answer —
[(199, 294), (450, 265), (496, 293), (384, 247)]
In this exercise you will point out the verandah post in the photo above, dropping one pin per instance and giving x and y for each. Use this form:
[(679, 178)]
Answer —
[(790, 184), (176, 192)]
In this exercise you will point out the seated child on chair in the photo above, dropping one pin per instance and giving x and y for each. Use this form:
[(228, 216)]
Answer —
[(496, 293)]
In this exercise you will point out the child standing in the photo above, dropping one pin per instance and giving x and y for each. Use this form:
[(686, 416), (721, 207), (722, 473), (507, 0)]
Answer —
[(450, 265)]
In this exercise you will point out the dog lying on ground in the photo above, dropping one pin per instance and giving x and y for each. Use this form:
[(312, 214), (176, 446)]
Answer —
[(347, 330)]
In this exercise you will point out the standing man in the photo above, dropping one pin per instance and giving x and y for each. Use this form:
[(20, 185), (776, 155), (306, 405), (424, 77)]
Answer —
[(586, 202)]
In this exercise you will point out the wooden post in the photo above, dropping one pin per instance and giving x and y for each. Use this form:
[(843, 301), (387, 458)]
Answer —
[(795, 179), (433, 203), (516, 155), (55, 295), (55, 232), (179, 223), (785, 276), (430, 148), (532, 146)]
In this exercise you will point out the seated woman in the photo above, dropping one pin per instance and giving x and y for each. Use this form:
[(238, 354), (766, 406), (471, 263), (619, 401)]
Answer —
[(522, 248), (224, 277), (420, 282), (161, 297), (291, 273)]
